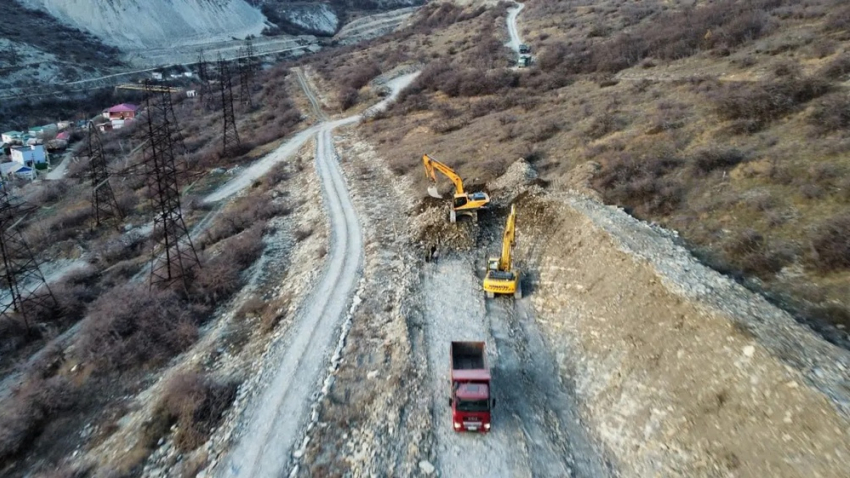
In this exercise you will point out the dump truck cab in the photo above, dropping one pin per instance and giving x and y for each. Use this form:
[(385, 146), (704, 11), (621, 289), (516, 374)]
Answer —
[(524, 49), (471, 399)]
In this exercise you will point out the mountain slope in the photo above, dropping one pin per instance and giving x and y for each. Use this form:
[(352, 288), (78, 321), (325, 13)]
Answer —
[(133, 24)]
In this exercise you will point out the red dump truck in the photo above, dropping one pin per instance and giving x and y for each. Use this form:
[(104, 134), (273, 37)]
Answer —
[(471, 400)]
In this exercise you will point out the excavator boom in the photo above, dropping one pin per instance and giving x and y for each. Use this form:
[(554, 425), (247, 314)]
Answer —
[(501, 277), (508, 241), (431, 168)]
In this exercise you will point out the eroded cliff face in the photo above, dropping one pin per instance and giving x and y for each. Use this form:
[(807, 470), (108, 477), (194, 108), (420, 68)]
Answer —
[(139, 24)]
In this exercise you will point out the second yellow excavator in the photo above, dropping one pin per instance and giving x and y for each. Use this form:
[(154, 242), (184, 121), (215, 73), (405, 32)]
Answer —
[(501, 278), (463, 203)]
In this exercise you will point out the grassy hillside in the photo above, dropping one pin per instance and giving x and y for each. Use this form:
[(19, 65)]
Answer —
[(726, 121)]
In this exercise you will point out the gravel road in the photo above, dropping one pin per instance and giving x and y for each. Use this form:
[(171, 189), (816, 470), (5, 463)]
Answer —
[(536, 431), (513, 13), (302, 356)]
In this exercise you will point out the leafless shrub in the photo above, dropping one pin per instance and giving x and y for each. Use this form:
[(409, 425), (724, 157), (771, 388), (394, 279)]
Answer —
[(131, 326), (830, 242), (644, 184), (347, 98), (838, 20), (749, 251), (27, 411), (832, 114), (221, 275), (302, 233), (605, 124), (196, 403), (708, 160), (763, 102), (837, 69)]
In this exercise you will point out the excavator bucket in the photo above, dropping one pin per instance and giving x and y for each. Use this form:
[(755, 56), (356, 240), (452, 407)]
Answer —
[(432, 191)]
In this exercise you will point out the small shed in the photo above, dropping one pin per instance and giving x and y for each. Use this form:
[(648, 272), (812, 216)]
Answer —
[(190, 93)]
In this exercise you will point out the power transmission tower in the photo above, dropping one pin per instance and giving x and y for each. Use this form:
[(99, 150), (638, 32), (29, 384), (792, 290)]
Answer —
[(21, 278), (204, 76), (174, 254), (230, 138), (248, 68), (103, 198)]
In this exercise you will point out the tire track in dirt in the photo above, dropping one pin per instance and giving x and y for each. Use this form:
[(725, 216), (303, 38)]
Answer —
[(311, 97), (304, 353), (536, 431)]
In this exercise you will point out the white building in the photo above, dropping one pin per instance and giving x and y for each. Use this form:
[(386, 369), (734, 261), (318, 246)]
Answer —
[(7, 170), (30, 156)]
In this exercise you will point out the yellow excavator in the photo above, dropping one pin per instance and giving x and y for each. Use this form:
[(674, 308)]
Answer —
[(501, 278), (463, 203)]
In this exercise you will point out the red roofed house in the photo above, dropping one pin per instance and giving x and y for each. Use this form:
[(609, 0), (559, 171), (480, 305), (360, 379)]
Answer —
[(121, 112)]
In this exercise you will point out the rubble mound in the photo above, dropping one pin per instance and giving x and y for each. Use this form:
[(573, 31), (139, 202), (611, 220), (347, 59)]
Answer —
[(433, 232), (516, 179)]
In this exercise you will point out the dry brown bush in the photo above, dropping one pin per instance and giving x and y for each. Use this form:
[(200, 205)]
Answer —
[(646, 184), (763, 102), (27, 410), (831, 244), (749, 251), (707, 160), (196, 403), (832, 113), (221, 274), (131, 327), (837, 69)]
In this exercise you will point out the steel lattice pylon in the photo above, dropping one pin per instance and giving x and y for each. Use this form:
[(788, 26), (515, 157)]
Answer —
[(173, 254), (230, 138), (21, 277), (204, 76), (247, 71), (103, 198)]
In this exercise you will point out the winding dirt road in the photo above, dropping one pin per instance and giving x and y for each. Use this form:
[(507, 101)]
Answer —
[(513, 13), (301, 357)]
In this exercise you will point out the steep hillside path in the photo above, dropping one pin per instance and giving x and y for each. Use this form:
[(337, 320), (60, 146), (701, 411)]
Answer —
[(299, 359)]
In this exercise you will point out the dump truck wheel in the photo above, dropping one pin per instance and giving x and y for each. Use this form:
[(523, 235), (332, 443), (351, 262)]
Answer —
[(490, 295), (518, 292)]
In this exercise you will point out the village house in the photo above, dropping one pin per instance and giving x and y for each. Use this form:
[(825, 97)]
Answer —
[(41, 131), (31, 156), (63, 125), (124, 111), (12, 137), (7, 170)]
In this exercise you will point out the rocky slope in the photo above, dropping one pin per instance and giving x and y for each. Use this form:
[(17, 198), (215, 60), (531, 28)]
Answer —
[(130, 24)]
